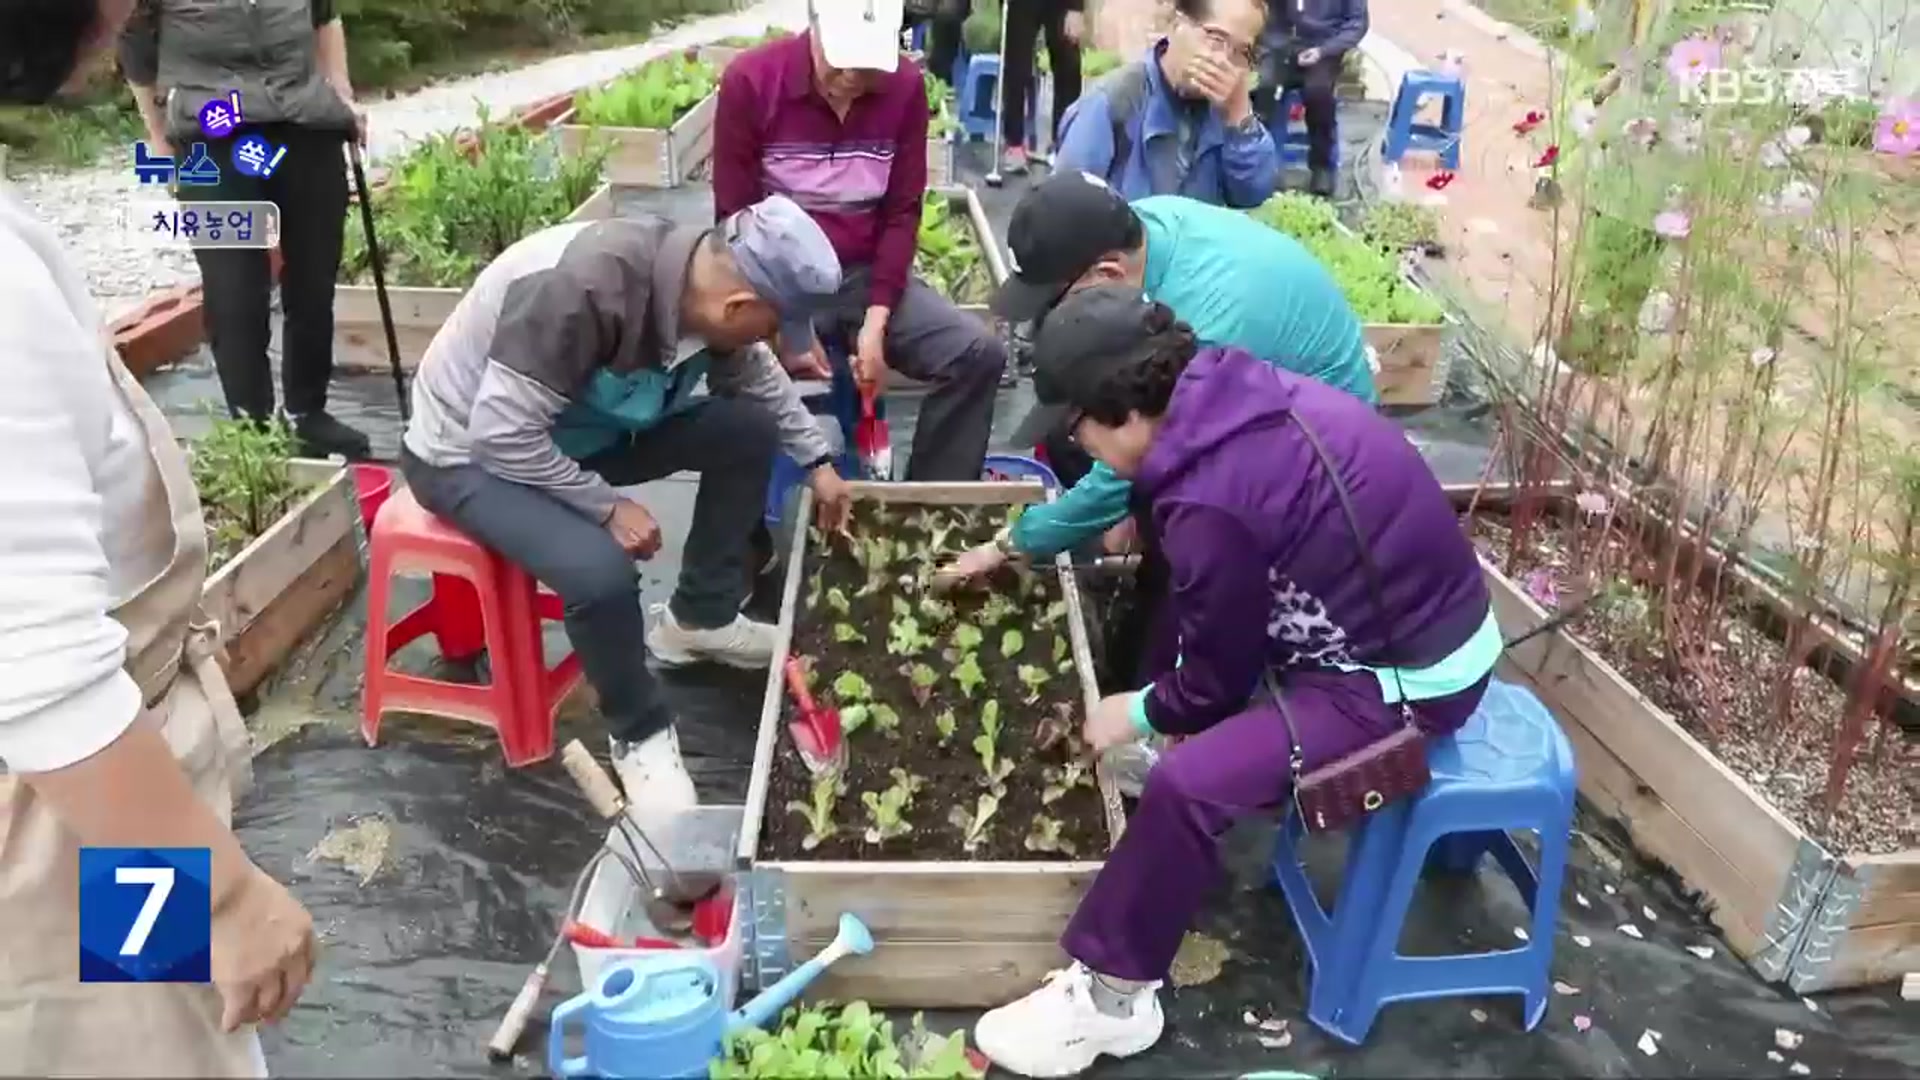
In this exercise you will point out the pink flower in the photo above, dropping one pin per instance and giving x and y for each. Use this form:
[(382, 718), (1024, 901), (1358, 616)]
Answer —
[(1672, 224), (1541, 586), (1692, 58), (1591, 503), (1644, 131), (1898, 132)]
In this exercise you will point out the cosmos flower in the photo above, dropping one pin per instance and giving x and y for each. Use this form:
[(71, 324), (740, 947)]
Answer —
[(1796, 198), (1692, 58), (1591, 503), (1761, 357), (1898, 132), (1685, 136), (1583, 117), (1644, 131), (1657, 311), (1584, 20), (1541, 587), (1777, 152), (1672, 224)]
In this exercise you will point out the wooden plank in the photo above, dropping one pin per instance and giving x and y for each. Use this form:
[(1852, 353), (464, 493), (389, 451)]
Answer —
[(1410, 362), (935, 901), (941, 167), (1742, 829), (238, 592), (951, 492), (647, 157), (1866, 956), (936, 974), (1892, 888), (420, 307), (598, 207), (290, 618), (775, 692)]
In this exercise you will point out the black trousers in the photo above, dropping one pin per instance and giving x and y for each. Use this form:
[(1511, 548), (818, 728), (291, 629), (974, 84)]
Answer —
[(1315, 83), (943, 39), (310, 188), (1026, 20)]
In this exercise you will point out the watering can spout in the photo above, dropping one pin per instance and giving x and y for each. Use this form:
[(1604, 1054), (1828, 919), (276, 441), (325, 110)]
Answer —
[(853, 938)]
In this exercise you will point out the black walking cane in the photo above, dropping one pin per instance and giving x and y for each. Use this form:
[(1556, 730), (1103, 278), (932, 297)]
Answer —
[(379, 273)]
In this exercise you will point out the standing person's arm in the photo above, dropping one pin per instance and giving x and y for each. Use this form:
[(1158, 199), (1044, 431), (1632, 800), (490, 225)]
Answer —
[(736, 144), (72, 726), (1348, 32), (140, 60), (330, 56)]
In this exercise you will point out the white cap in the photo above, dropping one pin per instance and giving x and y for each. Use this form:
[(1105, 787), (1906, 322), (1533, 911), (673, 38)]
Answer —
[(862, 34)]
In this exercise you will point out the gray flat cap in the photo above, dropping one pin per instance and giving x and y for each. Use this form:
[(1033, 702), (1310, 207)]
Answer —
[(782, 253)]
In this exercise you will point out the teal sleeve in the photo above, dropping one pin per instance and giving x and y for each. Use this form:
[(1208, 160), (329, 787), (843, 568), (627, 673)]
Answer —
[(1092, 506), (1137, 712)]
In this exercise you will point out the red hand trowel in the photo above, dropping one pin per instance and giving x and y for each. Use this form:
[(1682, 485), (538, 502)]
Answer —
[(871, 439), (816, 733)]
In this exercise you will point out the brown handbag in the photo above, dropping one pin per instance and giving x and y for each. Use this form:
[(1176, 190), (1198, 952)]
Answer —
[(1332, 796)]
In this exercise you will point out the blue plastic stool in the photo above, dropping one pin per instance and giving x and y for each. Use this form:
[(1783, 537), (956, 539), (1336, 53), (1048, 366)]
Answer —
[(1403, 134), (978, 96), (1017, 467), (917, 38), (842, 402), (1293, 142), (1509, 767)]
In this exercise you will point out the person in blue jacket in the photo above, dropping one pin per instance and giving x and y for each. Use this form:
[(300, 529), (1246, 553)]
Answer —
[(1235, 281), (1305, 41), (1180, 120)]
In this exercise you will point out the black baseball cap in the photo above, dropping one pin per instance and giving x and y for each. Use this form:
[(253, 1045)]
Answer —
[(1088, 338), (1059, 229)]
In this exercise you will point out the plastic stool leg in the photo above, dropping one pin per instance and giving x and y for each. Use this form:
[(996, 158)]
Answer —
[(1453, 118), (1458, 854), (456, 611), (526, 726), (379, 591), (1362, 915), (1400, 124), (1546, 912)]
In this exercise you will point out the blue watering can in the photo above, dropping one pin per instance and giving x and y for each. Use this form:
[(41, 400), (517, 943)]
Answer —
[(662, 1015)]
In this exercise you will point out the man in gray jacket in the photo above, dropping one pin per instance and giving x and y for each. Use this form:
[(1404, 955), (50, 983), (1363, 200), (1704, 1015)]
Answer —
[(569, 370)]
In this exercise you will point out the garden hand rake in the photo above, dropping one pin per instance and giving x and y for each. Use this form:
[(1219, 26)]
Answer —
[(379, 276)]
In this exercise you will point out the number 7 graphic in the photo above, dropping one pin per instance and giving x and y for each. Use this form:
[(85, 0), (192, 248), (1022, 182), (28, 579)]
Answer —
[(159, 882)]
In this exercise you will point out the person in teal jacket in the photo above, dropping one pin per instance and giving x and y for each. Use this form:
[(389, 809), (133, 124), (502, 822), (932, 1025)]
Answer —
[(1235, 281)]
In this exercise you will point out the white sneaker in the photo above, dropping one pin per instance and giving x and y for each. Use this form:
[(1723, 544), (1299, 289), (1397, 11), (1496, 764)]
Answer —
[(1057, 1030), (654, 779), (741, 643)]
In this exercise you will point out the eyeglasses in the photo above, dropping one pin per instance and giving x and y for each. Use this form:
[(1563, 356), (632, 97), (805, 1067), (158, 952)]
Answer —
[(1249, 53)]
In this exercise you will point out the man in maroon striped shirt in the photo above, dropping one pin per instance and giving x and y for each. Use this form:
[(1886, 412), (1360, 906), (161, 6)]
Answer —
[(836, 120)]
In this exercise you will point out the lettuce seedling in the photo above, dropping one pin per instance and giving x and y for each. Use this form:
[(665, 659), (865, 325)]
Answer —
[(1060, 648), (813, 593), (849, 687), (945, 725), (1055, 612), (819, 812), (967, 637), (986, 745), (921, 679), (887, 812), (1011, 643), (1034, 679), (853, 718), (966, 674), (1044, 835), (1053, 729), (845, 634), (837, 600), (1061, 779), (996, 610), (974, 826), (884, 719), (905, 638), (935, 610)]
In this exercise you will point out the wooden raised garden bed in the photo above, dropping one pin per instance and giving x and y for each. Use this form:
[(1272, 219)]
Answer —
[(722, 52), (360, 342), (1799, 913), (1405, 328), (273, 592), (957, 253), (957, 925), (645, 148)]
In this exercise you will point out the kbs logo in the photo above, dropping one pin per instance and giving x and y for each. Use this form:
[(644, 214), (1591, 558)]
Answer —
[(146, 915)]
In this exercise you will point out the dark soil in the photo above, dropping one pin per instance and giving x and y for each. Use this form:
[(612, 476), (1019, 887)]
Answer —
[(1725, 697), (1034, 735)]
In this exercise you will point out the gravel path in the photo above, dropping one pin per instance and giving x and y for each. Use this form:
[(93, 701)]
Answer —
[(79, 202)]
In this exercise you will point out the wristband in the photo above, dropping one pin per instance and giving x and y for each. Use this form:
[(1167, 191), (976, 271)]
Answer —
[(1137, 712), (823, 459)]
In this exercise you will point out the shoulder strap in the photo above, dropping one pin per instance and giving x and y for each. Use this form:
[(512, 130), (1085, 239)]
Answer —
[(1366, 553)]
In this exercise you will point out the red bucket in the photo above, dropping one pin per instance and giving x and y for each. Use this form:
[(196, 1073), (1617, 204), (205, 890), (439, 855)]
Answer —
[(372, 483)]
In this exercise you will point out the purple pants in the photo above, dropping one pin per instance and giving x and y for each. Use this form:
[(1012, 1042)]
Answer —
[(1146, 896)]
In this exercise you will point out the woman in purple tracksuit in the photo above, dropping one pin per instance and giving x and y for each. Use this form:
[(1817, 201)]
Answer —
[(1266, 575)]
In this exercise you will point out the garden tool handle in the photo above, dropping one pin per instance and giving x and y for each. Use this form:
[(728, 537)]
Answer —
[(512, 1025), (593, 780), (797, 684)]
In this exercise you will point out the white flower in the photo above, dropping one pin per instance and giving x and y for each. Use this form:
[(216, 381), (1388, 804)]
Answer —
[(1686, 135), (1591, 503), (1761, 357), (1582, 119), (1796, 198), (1777, 152), (1656, 312), (1584, 20), (1643, 130)]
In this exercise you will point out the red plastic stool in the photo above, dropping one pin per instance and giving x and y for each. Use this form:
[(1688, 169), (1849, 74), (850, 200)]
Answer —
[(492, 603)]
